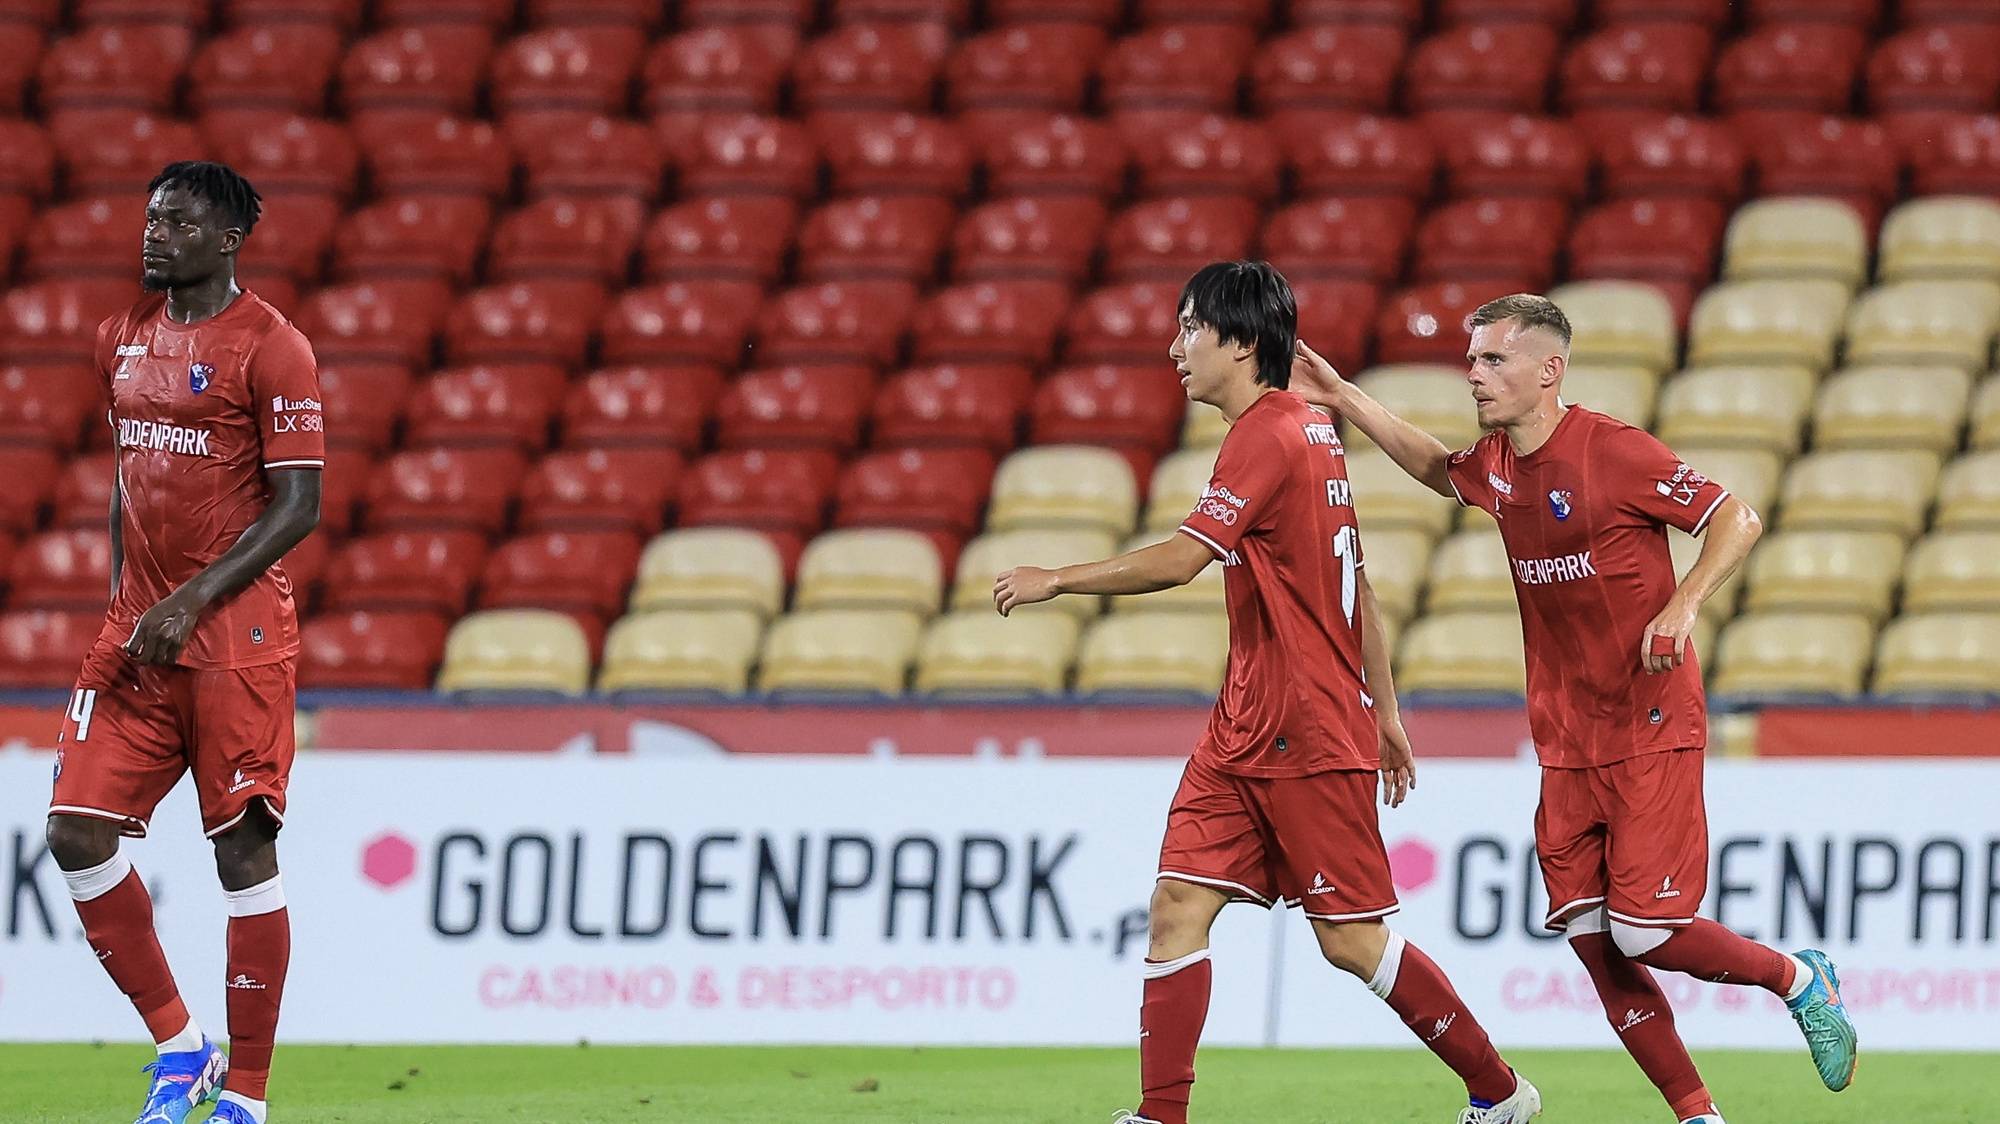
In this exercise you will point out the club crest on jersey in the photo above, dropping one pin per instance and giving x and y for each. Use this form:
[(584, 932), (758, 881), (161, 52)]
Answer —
[(1559, 503), (199, 375)]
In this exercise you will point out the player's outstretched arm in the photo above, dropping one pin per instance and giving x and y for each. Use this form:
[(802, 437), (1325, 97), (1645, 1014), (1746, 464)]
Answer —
[(1731, 532), (1399, 763), (1162, 565), (1414, 451)]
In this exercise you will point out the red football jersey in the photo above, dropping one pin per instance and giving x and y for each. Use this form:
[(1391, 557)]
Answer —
[(200, 412), (1280, 516), (1585, 521)]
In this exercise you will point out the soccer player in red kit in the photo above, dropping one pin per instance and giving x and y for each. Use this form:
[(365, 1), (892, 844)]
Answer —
[(1615, 700), (1277, 802), (214, 400)]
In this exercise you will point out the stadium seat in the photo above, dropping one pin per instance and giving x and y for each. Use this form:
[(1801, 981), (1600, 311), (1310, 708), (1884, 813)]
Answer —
[(584, 239), (1740, 407), (1619, 323), (1487, 153), (1054, 155), (444, 489), (516, 650), (1892, 408), (116, 151), (82, 495), (717, 69), (50, 404), (1352, 66), (1826, 571), (90, 237), (42, 649), (1962, 157), (509, 406), (1804, 154), (1985, 428), (1064, 486), (681, 650), (594, 156), (1426, 323), (1796, 238), (600, 490), (1130, 653), (1177, 66), (986, 556), (720, 238), (1363, 238), (1137, 407), (113, 66), (872, 568), (1859, 489), (846, 651), (1473, 238), (1030, 237), (335, 15), (750, 155), (343, 482), (406, 571), (1667, 240), (438, 236), (1463, 652), (1096, 13), (1792, 66), (1931, 68), (892, 238), (525, 323), (1202, 596), (1344, 153), (438, 68), (389, 321), (364, 402), (1194, 154), (1969, 493), (979, 653), (1176, 486), (1405, 14), (1337, 318), (788, 15), (1945, 238), (1397, 559), (1794, 654), (286, 155), (61, 570), (990, 321), (1650, 66), (1721, 605), (773, 490), (926, 489), (1751, 475), (952, 404), (1952, 571), (836, 322), (643, 406), (1939, 653), (1926, 322), (895, 153), (1767, 323), (1386, 496), (878, 66), (1488, 65), (819, 407), (269, 67), (710, 568), (27, 159), (55, 321), (1433, 398), (1469, 572), (1133, 324), (20, 54), (1627, 393), (1670, 155), (583, 573), (691, 323), (1042, 66), (411, 154), (370, 650), (588, 69)]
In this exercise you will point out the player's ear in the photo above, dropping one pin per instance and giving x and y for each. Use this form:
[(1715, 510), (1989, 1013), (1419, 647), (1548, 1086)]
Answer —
[(232, 239), (1553, 368)]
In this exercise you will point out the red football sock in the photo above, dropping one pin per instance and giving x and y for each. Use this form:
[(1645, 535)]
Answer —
[(1170, 1019), (1639, 1013), (1418, 991), (1709, 951), (118, 923), (260, 948)]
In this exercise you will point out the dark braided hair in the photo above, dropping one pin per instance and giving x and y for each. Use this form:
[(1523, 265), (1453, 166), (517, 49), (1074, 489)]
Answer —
[(219, 185)]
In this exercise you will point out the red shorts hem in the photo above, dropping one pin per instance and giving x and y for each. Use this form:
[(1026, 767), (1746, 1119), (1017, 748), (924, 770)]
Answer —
[(1241, 893), (1556, 922), (232, 813), (1364, 915), (127, 822), (1648, 922)]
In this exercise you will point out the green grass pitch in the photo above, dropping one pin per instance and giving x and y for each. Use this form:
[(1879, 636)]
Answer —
[(90, 1084)]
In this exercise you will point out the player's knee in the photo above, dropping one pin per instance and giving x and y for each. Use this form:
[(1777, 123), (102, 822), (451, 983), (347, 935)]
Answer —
[(1354, 947), (247, 854), (1179, 915), (79, 842), (1636, 941)]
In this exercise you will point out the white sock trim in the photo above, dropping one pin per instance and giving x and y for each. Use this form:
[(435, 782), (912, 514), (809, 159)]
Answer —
[(187, 1040), (1590, 921), (1637, 940), (1802, 977), (256, 1109), (1384, 980), (97, 881), (264, 897), (1160, 969)]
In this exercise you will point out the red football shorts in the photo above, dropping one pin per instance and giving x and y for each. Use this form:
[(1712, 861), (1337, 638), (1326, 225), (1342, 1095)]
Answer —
[(1313, 840), (132, 729), (1631, 835)]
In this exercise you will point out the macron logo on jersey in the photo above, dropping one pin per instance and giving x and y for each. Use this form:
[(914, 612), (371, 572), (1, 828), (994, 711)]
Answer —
[(1323, 433), (1548, 571), (186, 440)]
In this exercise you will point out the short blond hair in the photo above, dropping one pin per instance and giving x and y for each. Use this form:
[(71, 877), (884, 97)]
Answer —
[(1528, 309)]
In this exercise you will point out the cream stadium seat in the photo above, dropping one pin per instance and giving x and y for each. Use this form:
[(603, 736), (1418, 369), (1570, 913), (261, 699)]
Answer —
[(1751, 475), (1177, 486), (1826, 572), (682, 650), (839, 650), (1469, 571), (1721, 605), (1432, 397), (1386, 496), (1463, 652), (1969, 494), (710, 568), (1619, 322), (1787, 323), (1205, 426), (1948, 322), (516, 650), (979, 652), (1943, 236), (1705, 629), (1736, 406), (1202, 595), (1892, 407), (1986, 414), (871, 569), (1939, 653), (1080, 486), (1794, 654), (1859, 490), (1953, 570), (1182, 652), (1624, 392), (1795, 238), (1396, 560), (987, 555)]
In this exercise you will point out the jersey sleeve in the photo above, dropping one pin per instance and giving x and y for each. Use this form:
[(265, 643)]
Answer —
[(1242, 493), (284, 382), (1467, 470), (1655, 486)]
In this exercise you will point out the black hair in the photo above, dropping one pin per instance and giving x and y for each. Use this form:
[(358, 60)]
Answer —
[(1250, 304), (219, 186)]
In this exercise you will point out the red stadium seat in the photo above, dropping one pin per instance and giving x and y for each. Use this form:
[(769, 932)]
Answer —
[(891, 154), (62, 570), (581, 68), (304, 565), (1125, 407), (1670, 155), (1005, 321), (1557, 14), (1808, 66), (1671, 239), (818, 407), (1251, 14), (929, 489), (1405, 14), (1179, 66), (1346, 154), (718, 69), (105, 152), (1191, 154), (287, 155), (570, 571), (1507, 237), (1919, 12), (1943, 67), (27, 159), (465, 15), (375, 651), (406, 571), (56, 321), (1055, 155), (1426, 323), (726, 238), (596, 156), (17, 214), (1652, 66), (445, 489), (953, 404), (291, 240), (1133, 323), (751, 156), (1496, 66), (39, 14), (42, 649), (82, 496), (1806, 154), (877, 67), (90, 237), (33, 471), (1168, 239), (1707, 13), (1964, 160), (642, 14), (340, 15), (641, 406), (1351, 66), (364, 401), (951, 15), (583, 238), (436, 68), (1338, 318), (285, 67), (1097, 13), (448, 155), (836, 322), (381, 321), (132, 68), (1364, 238), (1040, 66), (601, 490), (474, 406), (1497, 154), (532, 322), (1040, 237), (421, 237), (1862, 15), (883, 237), (790, 14), (693, 323), (20, 54), (343, 482), (766, 489), (48, 404)]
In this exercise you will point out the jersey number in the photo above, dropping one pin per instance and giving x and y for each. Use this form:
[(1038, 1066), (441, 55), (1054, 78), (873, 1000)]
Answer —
[(1344, 548), (81, 703)]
